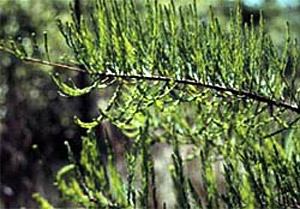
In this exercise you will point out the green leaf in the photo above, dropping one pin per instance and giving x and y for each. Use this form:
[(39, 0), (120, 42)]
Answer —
[(87, 125), (67, 90), (44, 204), (289, 143), (66, 169)]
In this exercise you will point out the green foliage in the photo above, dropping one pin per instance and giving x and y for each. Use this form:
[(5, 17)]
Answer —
[(90, 183), (229, 92), (42, 201), (69, 91)]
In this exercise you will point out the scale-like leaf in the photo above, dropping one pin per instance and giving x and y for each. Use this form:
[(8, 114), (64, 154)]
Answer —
[(67, 90)]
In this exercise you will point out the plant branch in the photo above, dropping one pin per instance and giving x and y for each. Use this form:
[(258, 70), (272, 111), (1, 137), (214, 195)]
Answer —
[(282, 129), (54, 64), (235, 92)]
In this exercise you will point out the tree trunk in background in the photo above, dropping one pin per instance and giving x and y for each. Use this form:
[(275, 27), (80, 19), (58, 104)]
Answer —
[(86, 102)]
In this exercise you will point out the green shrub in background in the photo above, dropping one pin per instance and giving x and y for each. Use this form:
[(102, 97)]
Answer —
[(227, 92)]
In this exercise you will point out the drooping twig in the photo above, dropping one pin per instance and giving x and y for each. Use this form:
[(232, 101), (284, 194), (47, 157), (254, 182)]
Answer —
[(235, 92)]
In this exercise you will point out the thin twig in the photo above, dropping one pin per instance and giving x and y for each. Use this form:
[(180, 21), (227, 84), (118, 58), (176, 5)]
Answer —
[(250, 95), (282, 130), (53, 64)]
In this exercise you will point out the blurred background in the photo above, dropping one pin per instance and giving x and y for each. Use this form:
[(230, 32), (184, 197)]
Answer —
[(31, 110)]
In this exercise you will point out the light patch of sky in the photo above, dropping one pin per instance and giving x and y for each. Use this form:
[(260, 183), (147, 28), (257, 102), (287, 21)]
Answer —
[(253, 3), (283, 3), (289, 2)]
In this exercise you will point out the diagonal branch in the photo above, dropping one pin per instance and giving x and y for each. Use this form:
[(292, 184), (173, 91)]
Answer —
[(235, 92), (282, 129)]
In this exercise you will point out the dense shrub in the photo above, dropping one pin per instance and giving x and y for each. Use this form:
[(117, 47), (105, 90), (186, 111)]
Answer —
[(226, 92)]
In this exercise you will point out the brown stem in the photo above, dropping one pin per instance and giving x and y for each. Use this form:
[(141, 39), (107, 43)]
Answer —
[(247, 94)]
